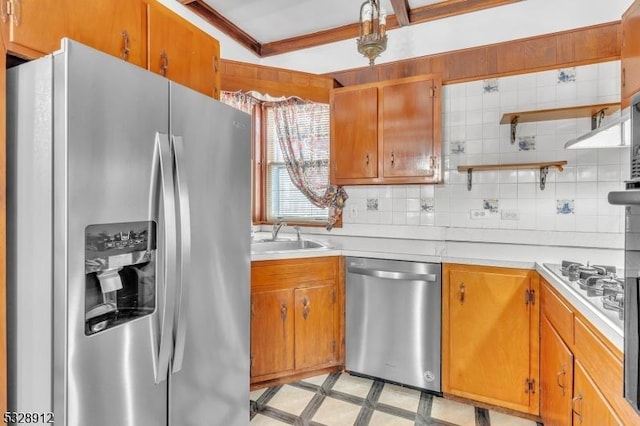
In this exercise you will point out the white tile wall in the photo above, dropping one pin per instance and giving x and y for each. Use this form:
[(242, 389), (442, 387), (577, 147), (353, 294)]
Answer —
[(472, 135)]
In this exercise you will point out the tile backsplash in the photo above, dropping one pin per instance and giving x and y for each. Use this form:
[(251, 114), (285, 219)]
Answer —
[(573, 200)]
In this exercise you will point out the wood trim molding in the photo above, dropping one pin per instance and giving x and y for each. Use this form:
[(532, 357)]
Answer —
[(415, 16), (582, 46), (246, 77)]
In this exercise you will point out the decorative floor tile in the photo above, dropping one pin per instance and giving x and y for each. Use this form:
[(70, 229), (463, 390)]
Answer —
[(261, 420), (353, 385), (336, 412), (291, 400), (316, 380), (344, 400), (453, 412), (383, 419), (397, 396), (500, 419)]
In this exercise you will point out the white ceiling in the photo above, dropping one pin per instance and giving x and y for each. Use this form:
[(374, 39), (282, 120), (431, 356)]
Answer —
[(273, 20), (518, 20)]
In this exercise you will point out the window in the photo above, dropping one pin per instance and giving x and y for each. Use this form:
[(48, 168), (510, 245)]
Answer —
[(283, 200), (275, 196)]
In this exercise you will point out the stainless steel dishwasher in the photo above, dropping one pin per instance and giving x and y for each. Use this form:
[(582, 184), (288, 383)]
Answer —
[(393, 321)]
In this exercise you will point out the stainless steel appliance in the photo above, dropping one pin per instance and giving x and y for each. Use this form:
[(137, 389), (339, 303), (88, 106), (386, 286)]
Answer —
[(393, 321), (631, 199), (128, 246), (601, 286)]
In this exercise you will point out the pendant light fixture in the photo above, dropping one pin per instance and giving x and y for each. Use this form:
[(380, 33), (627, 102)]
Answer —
[(373, 30)]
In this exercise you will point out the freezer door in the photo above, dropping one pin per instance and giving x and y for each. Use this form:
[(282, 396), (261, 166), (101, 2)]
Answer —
[(109, 122), (210, 383)]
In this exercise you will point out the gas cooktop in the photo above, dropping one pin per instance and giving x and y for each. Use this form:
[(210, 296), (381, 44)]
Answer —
[(601, 286)]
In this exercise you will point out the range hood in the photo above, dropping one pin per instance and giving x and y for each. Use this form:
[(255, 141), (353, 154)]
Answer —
[(614, 134)]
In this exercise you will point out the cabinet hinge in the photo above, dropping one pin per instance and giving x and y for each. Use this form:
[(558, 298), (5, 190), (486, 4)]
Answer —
[(530, 297), (530, 385), (252, 313), (251, 362), (432, 92), (333, 346), (333, 296)]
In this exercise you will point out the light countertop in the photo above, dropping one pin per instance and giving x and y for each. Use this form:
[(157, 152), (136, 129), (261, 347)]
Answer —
[(509, 255)]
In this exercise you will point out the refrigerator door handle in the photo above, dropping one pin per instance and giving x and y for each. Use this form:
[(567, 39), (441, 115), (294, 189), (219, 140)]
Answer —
[(162, 169), (184, 215)]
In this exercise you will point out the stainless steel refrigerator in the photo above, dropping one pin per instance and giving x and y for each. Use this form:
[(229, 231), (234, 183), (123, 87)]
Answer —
[(128, 246)]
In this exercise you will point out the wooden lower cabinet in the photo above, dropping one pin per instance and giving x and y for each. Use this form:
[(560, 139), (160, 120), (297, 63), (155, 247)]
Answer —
[(590, 408), (490, 336), (580, 371), (296, 318), (556, 377)]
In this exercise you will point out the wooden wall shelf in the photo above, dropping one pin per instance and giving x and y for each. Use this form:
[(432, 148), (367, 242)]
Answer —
[(596, 112), (543, 167)]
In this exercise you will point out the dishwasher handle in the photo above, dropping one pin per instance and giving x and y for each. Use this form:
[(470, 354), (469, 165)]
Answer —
[(393, 275)]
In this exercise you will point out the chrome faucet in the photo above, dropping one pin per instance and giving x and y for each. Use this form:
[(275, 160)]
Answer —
[(276, 228)]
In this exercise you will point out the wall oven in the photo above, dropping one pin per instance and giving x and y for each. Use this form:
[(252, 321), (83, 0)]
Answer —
[(630, 198)]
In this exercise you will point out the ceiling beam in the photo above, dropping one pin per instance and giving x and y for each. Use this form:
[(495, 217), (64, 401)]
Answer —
[(401, 10), (223, 24), (421, 14)]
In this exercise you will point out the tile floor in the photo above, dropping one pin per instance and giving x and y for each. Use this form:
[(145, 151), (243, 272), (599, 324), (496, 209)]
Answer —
[(341, 399)]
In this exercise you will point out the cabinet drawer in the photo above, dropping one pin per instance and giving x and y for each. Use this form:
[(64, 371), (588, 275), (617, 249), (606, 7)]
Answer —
[(558, 313), (289, 273)]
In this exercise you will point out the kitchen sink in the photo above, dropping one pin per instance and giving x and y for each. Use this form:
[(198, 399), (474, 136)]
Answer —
[(278, 246)]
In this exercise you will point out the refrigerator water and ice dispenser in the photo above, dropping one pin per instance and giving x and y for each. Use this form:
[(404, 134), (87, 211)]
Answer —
[(120, 281)]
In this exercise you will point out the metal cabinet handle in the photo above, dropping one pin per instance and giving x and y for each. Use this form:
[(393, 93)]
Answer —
[(561, 373), (366, 159), (306, 308), (164, 66), (283, 311), (462, 292), (573, 406), (124, 54), (393, 159), (215, 64), (11, 9)]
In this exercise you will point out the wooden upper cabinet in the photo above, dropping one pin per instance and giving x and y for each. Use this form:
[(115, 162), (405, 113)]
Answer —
[(181, 52), (116, 27), (408, 127), (630, 53), (354, 134), (387, 132), (490, 336)]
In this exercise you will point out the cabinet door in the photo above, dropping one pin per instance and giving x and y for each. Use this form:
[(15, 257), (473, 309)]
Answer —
[(490, 345), (630, 53), (315, 326), (181, 52), (112, 26), (408, 129), (556, 377), (354, 135), (589, 406), (272, 332), (205, 76)]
